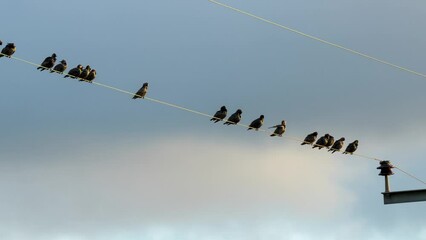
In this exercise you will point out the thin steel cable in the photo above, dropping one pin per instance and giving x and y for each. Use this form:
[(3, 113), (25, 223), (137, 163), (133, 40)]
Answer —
[(320, 40), (203, 114), (410, 175)]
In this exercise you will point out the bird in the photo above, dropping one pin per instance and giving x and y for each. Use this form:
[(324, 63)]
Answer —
[(83, 75), (330, 141), (220, 115), (279, 129), (1, 43), (8, 50), (310, 138), (75, 72), (337, 145), (91, 76), (60, 67), (48, 63), (142, 91), (234, 118), (257, 123), (351, 148), (322, 141)]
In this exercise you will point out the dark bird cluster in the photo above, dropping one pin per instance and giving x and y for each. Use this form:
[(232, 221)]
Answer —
[(8, 50), (256, 124), (327, 141), (87, 74)]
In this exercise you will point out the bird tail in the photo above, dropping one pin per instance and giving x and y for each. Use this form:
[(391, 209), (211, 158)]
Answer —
[(273, 135), (134, 97), (66, 76)]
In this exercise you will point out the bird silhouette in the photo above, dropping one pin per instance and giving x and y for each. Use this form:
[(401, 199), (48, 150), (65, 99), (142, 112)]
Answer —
[(322, 141), (351, 148), (91, 76), (142, 91), (330, 141), (48, 63), (220, 115), (83, 75), (234, 118), (75, 72), (279, 129), (60, 67), (257, 123), (310, 139), (8, 50), (337, 145)]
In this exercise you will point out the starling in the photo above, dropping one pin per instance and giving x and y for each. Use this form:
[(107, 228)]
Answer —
[(75, 72), (8, 50), (337, 145), (220, 115), (142, 91), (83, 75), (322, 141), (60, 67), (91, 76), (279, 129), (257, 123), (234, 118), (48, 63), (351, 147), (330, 141), (310, 139)]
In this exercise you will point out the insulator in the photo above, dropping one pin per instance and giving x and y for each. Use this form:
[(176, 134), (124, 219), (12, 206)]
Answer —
[(385, 168)]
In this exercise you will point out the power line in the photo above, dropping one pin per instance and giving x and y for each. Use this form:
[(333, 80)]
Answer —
[(410, 175), (296, 139), (321, 40)]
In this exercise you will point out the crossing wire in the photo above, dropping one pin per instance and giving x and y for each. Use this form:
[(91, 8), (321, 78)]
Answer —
[(299, 140), (319, 39)]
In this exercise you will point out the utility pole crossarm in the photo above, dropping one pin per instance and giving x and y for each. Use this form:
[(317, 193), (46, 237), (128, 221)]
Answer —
[(404, 196)]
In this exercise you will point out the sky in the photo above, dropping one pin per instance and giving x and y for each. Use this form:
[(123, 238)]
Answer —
[(80, 162)]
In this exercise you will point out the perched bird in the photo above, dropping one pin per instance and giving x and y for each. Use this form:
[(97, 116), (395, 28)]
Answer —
[(351, 147), (83, 75), (279, 129), (142, 91), (330, 141), (257, 123), (220, 115), (337, 145), (310, 138), (234, 118), (91, 76), (75, 72), (322, 141), (60, 67), (8, 50), (1, 43), (48, 63)]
